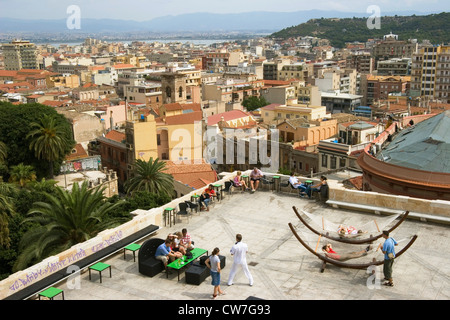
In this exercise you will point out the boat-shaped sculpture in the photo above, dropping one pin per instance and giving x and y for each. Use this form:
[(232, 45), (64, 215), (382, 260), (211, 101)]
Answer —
[(343, 264), (351, 239)]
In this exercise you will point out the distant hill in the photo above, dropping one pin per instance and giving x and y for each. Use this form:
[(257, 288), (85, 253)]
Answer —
[(434, 27), (195, 22)]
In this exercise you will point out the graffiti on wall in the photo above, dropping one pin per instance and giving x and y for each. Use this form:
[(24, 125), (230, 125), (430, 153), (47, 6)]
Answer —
[(53, 267)]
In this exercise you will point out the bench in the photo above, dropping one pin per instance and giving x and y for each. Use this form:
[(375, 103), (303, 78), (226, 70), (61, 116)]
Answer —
[(84, 263), (147, 263), (388, 211)]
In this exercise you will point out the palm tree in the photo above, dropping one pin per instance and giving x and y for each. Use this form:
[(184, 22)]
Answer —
[(149, 176), (6, 211), (3, 152), (22, 174), (65, 219), (49, 140)]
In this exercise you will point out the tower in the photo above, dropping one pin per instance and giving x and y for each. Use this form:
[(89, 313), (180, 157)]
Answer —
[(173, 87)]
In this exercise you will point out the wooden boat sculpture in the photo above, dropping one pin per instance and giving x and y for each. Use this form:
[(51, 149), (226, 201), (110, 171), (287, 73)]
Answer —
[(350, 240), (342, 264)]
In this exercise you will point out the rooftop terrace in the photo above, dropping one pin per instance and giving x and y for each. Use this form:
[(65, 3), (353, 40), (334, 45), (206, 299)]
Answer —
[(281, 267)]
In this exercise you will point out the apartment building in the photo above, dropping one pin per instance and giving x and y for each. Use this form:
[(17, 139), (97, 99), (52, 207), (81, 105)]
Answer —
[(393, 48), (219, 61), (300, 71), (274, 113), (20, 54), (375, 88), (394, 67), (362, 62), (430, 74), (148, 94)]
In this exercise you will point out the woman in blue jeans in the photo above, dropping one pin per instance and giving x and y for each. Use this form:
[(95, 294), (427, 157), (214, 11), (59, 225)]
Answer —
[(213, 263)]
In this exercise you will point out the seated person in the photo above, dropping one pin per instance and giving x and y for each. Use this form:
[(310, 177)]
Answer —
[(330, 253), (239, 182), (255, 177), (311, 189), (176, 243), (165, 253), (296, 184), (205, 197), (186, 240)]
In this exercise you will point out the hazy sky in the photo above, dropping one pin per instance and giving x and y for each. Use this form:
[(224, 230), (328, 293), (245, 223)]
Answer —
[(141, 10)]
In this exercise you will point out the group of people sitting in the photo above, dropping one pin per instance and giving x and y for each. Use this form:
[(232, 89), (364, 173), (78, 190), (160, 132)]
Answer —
[(256, 175), (174, 247), (255, 178), (305, 189)]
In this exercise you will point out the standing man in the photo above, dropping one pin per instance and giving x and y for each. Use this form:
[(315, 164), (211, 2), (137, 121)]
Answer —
[(239, 252), (389, 256)]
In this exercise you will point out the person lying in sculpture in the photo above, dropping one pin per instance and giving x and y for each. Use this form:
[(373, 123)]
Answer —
[(330, 253), (349, 230)]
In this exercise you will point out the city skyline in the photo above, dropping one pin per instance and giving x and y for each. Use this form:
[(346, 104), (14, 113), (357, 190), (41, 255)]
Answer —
[(113, 9)]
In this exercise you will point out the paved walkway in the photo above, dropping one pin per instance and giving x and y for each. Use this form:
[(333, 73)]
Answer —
[(281, 267)]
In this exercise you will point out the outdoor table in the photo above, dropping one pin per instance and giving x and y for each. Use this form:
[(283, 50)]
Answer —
[(246, 178), (132, 247), (51, 293), (309, 182), (217, 188), (182, 262), (276, 183), (100, 266), (170, 212)]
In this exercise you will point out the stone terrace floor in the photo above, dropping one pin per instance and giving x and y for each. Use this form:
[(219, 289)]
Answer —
[(281, 267)]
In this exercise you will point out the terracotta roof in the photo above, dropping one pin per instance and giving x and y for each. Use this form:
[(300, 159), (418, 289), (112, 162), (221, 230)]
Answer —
[(186, 118), (227, 116), (77, 153), (183, 106), (8, 73), (115, 135), (195, 175), (53, 103), (123, 66)]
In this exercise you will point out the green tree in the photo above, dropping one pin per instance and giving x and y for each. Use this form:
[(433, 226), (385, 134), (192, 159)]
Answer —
[(252, 103), (22, 174), (149, 176), (14, 131), (63, 220), (6, 212), (49, 140)]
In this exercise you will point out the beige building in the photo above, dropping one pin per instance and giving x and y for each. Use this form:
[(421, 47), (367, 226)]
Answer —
[(20, 54), (273, 114), (303, 133), (430, 74)]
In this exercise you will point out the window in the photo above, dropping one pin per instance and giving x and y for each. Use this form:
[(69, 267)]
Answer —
[(333, 162), (342, 162), (325, 160)]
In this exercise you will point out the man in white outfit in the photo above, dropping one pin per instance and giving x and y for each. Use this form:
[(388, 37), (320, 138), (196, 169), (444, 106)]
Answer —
[(239, 252)]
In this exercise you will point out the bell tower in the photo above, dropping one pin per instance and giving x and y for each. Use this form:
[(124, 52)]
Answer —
[(173, 87)]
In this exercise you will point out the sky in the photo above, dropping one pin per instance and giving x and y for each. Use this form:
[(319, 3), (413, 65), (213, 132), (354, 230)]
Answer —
[(141, 10)]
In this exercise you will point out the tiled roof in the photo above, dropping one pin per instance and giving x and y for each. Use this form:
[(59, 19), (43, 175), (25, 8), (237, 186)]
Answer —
[(115, 135), (78, 152), (196, 175), (227, 116)]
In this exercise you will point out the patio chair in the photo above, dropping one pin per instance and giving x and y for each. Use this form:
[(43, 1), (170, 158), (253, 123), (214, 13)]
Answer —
[(183, 210), (227, 188), (191, 205), (265, 181)]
